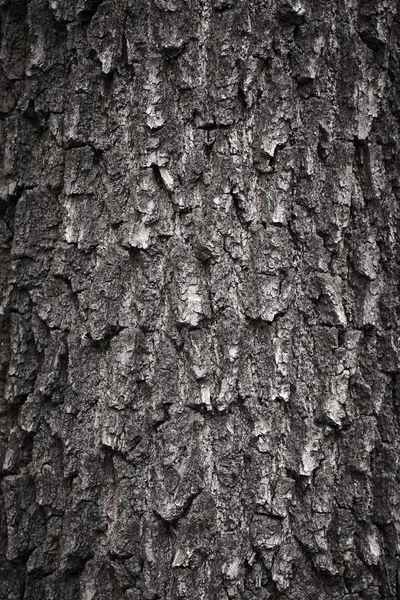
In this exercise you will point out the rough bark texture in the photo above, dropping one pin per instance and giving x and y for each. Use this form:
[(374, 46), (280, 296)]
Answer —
[(200, 354)]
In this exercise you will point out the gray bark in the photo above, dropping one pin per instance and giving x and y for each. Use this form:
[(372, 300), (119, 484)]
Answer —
[(200, 352)]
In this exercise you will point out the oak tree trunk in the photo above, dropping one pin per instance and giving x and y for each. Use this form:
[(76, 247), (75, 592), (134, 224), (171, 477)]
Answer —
[(200, 319)]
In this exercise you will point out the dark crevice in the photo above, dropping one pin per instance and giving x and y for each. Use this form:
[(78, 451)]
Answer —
[(111, 332), (362, 166), (91, 7), (223, 5), (183, 512)]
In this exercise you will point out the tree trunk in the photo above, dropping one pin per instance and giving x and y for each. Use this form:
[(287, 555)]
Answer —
[(200, 319)]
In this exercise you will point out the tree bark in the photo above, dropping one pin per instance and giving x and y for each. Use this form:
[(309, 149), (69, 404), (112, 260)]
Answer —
[(200, 318)]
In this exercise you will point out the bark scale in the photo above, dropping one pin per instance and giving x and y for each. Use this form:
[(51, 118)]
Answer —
[(200, 299)]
